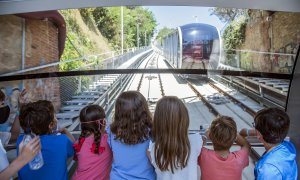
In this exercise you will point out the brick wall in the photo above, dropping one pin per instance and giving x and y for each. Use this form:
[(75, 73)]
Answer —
[(41, 43), (277, 32), (10, 43), (41, 48)]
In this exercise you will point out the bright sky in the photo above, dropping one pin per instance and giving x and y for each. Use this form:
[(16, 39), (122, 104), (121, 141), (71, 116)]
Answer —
[(174, 16)]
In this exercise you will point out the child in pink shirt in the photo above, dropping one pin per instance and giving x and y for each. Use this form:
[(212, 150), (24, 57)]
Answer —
[(92, 151), (220, 163)]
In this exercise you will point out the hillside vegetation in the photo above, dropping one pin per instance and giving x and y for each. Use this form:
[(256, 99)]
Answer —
[(93, 31), (83, 38)]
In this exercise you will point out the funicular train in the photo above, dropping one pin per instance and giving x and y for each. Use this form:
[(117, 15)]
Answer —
[(193, 46)]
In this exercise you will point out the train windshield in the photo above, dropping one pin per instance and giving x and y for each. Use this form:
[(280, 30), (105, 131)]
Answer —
[(197, 44)]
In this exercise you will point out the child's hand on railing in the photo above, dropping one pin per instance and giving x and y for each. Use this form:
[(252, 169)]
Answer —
[(67, 133), (247, 132)]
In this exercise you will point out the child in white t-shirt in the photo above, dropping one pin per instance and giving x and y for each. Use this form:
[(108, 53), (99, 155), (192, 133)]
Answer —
[(174, 152)]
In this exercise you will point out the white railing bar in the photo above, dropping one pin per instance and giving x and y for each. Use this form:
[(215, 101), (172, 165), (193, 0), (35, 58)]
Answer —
[(60, 62), (259, 52)]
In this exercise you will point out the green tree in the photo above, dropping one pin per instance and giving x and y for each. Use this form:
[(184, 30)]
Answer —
[(163, 33), (77, 43), (108, 21), (227, 14), (234, 37)]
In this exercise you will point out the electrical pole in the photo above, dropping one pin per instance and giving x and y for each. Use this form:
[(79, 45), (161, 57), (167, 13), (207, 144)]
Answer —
[(137, 36), (122, 30), (145, 38), (196, 18)]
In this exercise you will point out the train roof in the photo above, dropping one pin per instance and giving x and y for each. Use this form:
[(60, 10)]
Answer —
[(196, 26)]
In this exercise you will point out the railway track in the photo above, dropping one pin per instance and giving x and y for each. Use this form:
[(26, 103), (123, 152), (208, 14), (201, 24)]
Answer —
[(243, 107), (102, 92), (223, 104), (159, 78), (154, 80), (270, 92)]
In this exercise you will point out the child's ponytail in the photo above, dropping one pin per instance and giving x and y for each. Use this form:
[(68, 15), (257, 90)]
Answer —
[(92, 120), (96, 145), (77, 146)]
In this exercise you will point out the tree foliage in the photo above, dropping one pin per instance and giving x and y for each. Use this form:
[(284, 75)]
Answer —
[(108, 20), (227, 14), (163, 33), (234, 36), (75, 39)]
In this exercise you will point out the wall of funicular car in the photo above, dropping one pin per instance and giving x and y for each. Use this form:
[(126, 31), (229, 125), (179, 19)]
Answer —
[(192, 43)]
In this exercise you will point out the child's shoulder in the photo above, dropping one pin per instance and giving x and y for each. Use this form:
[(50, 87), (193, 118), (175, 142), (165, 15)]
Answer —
[(107, 130), (104, 136), (240, 153), (57, 138), (207, 150)]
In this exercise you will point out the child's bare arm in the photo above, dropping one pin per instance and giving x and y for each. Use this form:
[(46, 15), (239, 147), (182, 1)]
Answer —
[(67, 133), (205, 137), (241, 141)]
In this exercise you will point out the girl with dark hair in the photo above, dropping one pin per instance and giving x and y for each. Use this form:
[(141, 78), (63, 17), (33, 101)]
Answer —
[(174, 152), (129, 137), (92, 151)]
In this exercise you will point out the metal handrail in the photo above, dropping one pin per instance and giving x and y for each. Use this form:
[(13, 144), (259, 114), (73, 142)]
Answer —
[(103, 100), (259, 52), (76, 59)]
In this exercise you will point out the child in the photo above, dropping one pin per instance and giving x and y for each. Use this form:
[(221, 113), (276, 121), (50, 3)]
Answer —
[(174, 152), (27, 153), (279, 160), (92, 151), (39, 118), (129, 137), (220, 163), (9, 131)]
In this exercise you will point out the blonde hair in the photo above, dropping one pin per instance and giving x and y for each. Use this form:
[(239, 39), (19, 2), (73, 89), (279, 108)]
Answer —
[(170, 134)]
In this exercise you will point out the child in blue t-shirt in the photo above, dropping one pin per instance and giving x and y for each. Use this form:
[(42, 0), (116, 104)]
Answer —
[(56, 149), (128, 138), (279, 160)]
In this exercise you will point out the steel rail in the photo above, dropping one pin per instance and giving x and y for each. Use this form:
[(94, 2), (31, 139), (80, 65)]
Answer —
[(159, 79)]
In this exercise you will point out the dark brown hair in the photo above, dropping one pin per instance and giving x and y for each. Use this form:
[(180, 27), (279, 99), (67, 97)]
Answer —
[(273, 124), (89, 124), (37, 116), (132, 120), (2, 96), (170, 134), (222, 132)]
